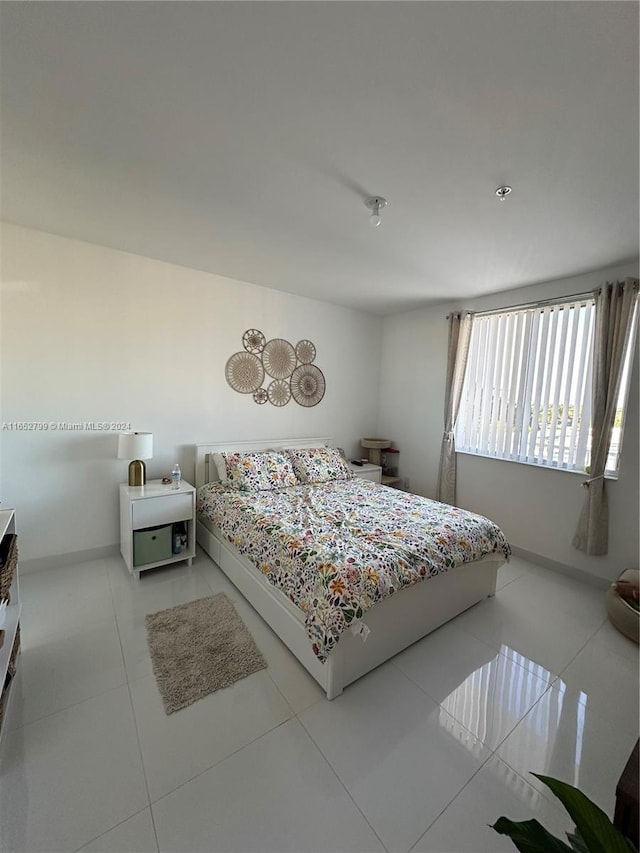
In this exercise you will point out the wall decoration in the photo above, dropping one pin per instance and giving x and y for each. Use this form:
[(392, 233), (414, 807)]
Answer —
[(305, 351), (289, 367), (307, 385), (253, 341), (279, 358), (244, 372), (279, 392)]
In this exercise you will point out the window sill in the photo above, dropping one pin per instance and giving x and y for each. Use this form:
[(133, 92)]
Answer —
[(582, 474)]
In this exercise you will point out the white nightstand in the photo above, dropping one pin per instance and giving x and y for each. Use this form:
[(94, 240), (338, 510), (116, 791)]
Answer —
[(368, 472), (155, 505)]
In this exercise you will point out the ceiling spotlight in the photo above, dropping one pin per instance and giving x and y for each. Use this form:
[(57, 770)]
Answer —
[(503, 192), (375, 203)]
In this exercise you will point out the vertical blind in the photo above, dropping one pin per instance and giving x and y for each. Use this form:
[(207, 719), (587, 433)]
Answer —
[(527, 389)]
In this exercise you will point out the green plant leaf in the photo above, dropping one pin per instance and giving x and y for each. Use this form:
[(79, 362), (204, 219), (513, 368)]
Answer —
[(577, 842), (599, 834), (529, 836)]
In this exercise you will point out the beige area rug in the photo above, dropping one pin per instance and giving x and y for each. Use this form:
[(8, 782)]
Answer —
[(199, 647)]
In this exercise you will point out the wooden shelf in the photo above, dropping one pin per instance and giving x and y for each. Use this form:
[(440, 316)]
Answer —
[(391, 481)]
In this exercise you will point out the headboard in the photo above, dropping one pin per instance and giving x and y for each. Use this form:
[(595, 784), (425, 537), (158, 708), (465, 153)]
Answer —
[(206, 474)]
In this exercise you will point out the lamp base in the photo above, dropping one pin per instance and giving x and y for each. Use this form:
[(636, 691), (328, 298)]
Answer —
[(137, 473)]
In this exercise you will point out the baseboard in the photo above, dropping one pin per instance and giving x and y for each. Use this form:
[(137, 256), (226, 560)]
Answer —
[(56, 560), (561, 568)]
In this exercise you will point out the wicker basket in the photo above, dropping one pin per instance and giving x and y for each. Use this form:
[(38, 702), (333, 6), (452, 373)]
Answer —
[(11, 671), (8, 563), (4, 696), (14, 653)]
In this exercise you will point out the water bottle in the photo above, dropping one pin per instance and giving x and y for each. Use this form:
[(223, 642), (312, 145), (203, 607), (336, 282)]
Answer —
[(176, 476)]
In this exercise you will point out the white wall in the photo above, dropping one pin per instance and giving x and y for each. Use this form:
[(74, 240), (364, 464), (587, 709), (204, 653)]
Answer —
[(538, 509), (93, 334)]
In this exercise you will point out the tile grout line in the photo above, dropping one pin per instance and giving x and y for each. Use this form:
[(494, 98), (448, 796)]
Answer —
[(583, 647), (344, 787), (95, 696), (115, 826), (49, 637), (590, 636), (215, 764), (69, 707), (273, 681), (133, 713), (144, 769), (494, 752), (220, 761), (549, 685), (450, 803)]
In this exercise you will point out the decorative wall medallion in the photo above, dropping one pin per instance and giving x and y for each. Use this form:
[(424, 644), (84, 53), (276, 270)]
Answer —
[(253, 341), (307, 385), (279, 392), (244, 372), (305, 352), (279, 358)]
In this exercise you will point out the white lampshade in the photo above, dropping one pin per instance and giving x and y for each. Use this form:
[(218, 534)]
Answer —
[(135, 445)]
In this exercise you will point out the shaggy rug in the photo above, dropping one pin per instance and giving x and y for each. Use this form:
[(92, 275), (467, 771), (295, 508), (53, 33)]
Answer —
[(199, 647)]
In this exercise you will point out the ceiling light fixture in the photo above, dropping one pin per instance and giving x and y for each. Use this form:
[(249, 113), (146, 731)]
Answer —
[(503, 192), (375, 203)]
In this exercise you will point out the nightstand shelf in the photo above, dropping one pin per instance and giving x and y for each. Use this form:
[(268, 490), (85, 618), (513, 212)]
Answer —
[(394, 482), (156, 505)]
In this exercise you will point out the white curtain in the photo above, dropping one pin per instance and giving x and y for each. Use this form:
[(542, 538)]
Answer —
[(459, 336), (614, 315)]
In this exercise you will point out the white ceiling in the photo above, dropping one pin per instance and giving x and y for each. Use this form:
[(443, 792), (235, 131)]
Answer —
[(242, 138)]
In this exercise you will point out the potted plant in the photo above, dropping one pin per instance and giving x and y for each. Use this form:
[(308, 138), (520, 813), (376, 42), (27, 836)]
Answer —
[(593, 833)]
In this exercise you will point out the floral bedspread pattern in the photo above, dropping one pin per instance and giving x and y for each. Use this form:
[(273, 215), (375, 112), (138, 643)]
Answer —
[(336, 549)]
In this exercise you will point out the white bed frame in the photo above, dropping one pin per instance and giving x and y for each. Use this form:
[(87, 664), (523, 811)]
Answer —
[(394, 623)]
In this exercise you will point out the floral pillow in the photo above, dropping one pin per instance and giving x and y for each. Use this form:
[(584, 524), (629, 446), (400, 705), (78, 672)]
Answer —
[(253, 472), (319, 465)]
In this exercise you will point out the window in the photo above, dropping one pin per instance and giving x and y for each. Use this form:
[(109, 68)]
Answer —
[(527, 388)]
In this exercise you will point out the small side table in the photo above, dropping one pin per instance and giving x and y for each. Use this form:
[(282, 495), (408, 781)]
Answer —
[(156, 505)]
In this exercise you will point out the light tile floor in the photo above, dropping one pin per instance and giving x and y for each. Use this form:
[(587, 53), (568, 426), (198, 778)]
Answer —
[(420, 755)]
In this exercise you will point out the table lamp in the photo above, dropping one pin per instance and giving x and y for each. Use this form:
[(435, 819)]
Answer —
[(136, 446)]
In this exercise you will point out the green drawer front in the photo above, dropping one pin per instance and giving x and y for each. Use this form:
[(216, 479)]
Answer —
[(152, 545)]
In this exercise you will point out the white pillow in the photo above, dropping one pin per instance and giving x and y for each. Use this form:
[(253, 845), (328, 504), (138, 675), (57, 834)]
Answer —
[(221, 466)]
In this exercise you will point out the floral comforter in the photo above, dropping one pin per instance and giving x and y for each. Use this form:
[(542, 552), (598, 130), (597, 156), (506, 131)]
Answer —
[(336, 549)]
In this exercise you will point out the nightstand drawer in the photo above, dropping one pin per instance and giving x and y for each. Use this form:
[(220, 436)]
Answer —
[(367, 472), (148, 512)]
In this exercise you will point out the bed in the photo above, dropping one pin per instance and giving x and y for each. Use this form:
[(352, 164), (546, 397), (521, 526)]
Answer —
[(243, 530)]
